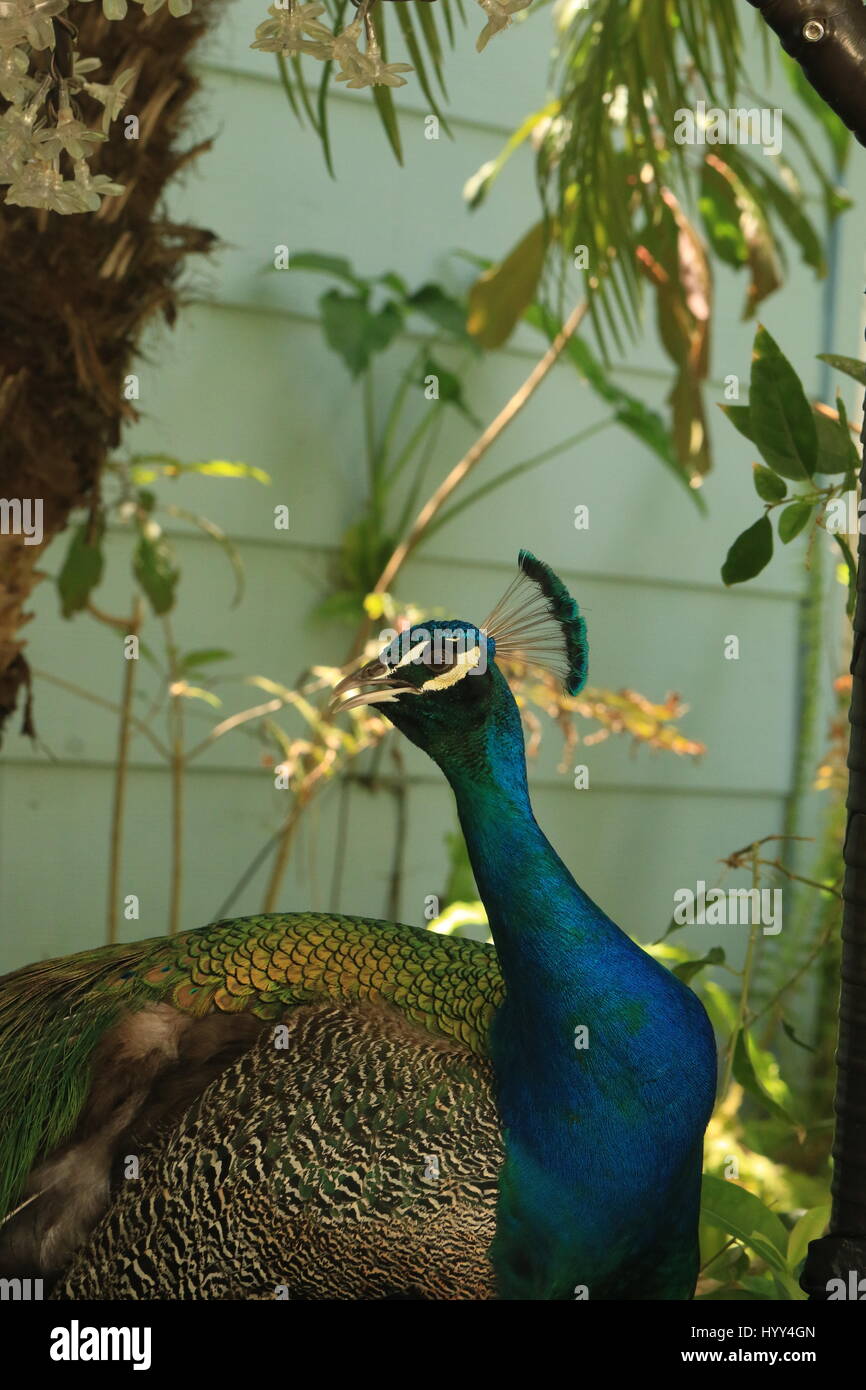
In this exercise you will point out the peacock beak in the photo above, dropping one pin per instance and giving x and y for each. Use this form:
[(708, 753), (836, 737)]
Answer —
[(372, 683)]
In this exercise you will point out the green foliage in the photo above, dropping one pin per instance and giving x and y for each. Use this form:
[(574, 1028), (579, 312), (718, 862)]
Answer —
[(82, 567), (420, 27), (797, 440), (154, 568), (360, 324), (851, 366), (503, 294), (750, 553), (781, 419), (744, 1216), (793, 519), (769, 487)]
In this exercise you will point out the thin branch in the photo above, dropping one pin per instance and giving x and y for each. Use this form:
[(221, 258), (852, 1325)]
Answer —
[(121, 767), (484, 441), (105, 704)]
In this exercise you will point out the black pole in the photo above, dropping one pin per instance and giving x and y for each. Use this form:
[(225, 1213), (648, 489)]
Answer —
[(828, 40)]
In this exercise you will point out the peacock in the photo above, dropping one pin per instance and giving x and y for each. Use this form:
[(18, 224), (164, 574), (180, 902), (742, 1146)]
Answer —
[(307, 1105)]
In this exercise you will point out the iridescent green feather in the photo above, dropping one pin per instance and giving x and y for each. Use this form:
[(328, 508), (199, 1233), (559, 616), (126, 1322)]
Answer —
[(53, 1014)]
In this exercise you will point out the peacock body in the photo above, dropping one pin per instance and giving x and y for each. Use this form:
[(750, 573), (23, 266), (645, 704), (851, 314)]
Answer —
[(340, 1107)]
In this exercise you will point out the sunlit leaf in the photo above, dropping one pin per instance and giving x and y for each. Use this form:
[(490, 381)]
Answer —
[(745, 1074), (498, 300), (810, 1226), (743, 1215)]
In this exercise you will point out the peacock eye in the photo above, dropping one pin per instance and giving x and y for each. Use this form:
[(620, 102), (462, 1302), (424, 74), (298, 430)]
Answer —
[(442, 662)]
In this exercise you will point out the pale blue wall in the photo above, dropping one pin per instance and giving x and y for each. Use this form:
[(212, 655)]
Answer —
[(245, 375)]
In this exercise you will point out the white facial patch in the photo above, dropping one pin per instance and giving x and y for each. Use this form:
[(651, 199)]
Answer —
[(462, 666), (415, 653)]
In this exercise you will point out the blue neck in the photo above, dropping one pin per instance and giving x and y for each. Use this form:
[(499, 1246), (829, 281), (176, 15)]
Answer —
[(603, 1060), (556, 948)]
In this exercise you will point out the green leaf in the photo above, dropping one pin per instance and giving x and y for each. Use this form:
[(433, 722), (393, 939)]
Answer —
[(344, 606), (744, 1072), (500, 297), (355, 331), (195, 692), (384, 99), (721, 218), (192, 661), (793, 519), (750, 553), (740, 417), (789, 1032), (837, 452), (217, 534), (743, 1215), (810, 1226), (768, 485), (440, 308), (790, 213), (851, 366), (760, 247), (689, 968), (337, 266), (153, 567), (630, 411), (219, 468), (144, 468), (781, 417), (449, 387), (852, 571), (82, 569)]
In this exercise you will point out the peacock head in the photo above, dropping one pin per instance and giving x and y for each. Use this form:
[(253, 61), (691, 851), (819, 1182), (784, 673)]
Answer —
[(439, 681)]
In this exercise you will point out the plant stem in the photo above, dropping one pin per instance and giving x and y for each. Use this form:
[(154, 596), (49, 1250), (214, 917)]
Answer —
[(398, 400), (121, 767), (487, 437), (104, 704), (175, 721), (430, 509), (525, 467), (281, 858), (743, 1005), (373, 469)]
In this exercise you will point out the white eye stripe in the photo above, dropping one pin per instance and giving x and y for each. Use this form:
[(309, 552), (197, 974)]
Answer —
[(462, 666), (414, 654)]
